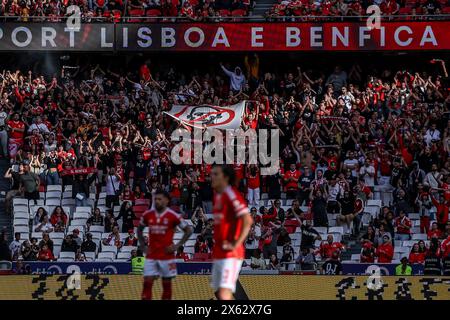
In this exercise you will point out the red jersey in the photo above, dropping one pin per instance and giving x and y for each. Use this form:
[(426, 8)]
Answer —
[(291, 185), (161, 228), (228, 207), (253, 182), (417, 257), (445, 247), (326, 249), (402, 224), (16, 125), (385, 252)]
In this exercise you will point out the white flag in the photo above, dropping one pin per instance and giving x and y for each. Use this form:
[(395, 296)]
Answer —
[(207, 116)]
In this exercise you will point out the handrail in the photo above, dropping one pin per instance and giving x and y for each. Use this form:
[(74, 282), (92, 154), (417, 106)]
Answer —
[(250, 18)]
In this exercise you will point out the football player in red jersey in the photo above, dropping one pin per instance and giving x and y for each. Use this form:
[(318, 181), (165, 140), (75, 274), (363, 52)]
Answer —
[(232, 223), (160, 259)]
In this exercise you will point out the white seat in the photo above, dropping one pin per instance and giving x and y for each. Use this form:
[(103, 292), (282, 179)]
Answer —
[(81, 215), (57, 235), (401, 249), (97, 229), (78, 222), (377, 203), (53, 202), (39, 202), (21, 221), (71, 228), (37, 235), (190, 243), (64, 255), (102, 195), (414, 216), (355, 257), (337, 230), (66, 259), (288, 202), (67, 195), (22, 229), (373, 210), (112, 249), (101, 202), (90, 256), (83, 209), (337, 237), (68, 202), (22, 215), (127, 248), (398, 243), (321, 230), (56, 250), (190, 250), (408, 243), (419, 236), (57, 242), (106, 255), (54, 187), (20, 201), (53, 195), (124, 255), (68, 187)]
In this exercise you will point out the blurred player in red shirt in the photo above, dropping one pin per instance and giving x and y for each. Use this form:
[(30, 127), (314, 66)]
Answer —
[(160, 259), (232, 223)]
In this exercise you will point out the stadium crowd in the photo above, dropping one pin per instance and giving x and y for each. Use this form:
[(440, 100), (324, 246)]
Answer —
[(114, 10), (351, 140), (329, 8)]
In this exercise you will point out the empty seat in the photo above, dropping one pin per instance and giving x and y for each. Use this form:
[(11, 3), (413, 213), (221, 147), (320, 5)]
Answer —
[(64, 254), (81, 215), (22, 229), (321, 230), (337, 230), (83, 209), (90, 256), (21, 221), (68, 187), (124, 255), (54, 188), (53, 202), (97, 229), (376, 203), (57, 235), (20, 201), (112, 249), (22, 215), (57, 242), (106, 255), (355, 257), (53, 195), (414, 216), (419, 236), (127, 248), (78, 222)]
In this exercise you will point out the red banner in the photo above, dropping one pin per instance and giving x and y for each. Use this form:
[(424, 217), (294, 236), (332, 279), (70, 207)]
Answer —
[(278, 36), (76, 171)]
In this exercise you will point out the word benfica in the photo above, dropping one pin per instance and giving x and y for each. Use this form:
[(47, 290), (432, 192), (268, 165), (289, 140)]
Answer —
[(275, 36)]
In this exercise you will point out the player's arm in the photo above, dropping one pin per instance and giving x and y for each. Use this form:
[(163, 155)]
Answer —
[(187, 232), (247, 222), (141, 238)]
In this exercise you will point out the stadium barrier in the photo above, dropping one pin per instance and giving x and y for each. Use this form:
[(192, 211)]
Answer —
[(250, 287), (249, 36), (40, 267)]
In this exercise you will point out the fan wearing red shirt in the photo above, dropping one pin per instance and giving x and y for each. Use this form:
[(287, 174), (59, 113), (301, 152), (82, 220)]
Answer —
[(290, 179), (403, 227), (16, 129), (415, 255), (161, 222), (442, 207), (434, 231), (45, 254), (385, 251), (253, 184), (327, 248), (232, 223), (445, 248), (367, 253)]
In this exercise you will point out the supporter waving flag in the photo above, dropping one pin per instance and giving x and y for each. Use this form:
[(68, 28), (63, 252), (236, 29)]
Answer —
[(208, 116)]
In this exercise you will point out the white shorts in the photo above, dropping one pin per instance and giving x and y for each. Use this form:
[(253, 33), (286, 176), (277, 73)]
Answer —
[(160, 268), (225, 273)]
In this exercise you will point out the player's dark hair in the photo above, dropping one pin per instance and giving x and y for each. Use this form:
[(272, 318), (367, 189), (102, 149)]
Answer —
[(228, 171), (163, 192)]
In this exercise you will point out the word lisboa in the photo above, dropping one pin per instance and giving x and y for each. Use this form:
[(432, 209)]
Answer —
[(211, 146)]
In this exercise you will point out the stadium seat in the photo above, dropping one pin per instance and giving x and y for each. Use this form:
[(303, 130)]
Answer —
[(22, 229), (96, 229), (127, 248), (66, 255), (20, 202), (414, 216), (83, 209), (21, 221), (90, 256), (124, 255), (446, 10), (106, 256), (55, 187), (135, 13), (201, 257), (21, 214), (112, 249), (53, 202), (153, 13), (376, 203), (355, 257), (336, 230), (419, 236), (224, 12), (81, 215), (78, 223), (142, 202), (57, 235)]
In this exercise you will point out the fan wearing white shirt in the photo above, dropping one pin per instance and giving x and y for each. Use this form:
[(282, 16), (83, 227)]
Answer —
[(432, 135), (367, 172)]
